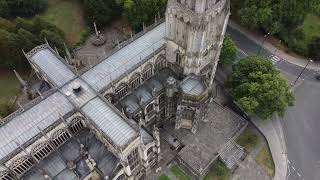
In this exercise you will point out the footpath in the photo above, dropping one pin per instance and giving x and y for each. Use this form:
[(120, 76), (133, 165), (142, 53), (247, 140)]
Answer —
[(258, 38)]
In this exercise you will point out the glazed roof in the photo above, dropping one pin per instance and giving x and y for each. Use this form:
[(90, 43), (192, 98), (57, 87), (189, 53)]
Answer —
[(126, 58), (193, 86)]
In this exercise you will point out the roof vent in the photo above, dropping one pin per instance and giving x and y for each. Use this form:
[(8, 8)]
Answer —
[(76, 87)]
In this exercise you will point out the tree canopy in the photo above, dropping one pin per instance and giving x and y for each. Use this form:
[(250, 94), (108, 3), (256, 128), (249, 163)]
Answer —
[(100, 11), (228, 51), (25, 34), (142, 11), (314, 48), (259, 88), (21, 8)]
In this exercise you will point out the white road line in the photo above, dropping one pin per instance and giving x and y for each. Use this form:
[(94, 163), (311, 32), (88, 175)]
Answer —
[(289, 161), (293, 168), (299, 174)]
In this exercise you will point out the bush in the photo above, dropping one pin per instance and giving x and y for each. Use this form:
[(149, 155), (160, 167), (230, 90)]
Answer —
[(26, 8), (6, 108), (314, 48)]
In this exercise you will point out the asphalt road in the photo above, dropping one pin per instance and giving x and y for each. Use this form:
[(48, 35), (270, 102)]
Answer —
[(301, 123)]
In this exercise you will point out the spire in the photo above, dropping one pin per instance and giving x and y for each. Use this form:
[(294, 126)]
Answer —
[(95, 29), (22, 82), (67, 51)]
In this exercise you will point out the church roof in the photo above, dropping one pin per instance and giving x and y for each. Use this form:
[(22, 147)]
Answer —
[(30, 123), (50, 65), (109, 121), (126, 58), (193, 86)]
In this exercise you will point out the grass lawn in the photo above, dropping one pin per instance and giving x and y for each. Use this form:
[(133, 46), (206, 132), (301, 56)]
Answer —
[(265, 160), (311, 26), (178, 172), (219, 171), (68, 16), (248, 139), (10, 87), (163, 177)]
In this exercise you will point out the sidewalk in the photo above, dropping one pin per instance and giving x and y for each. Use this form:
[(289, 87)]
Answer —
[(272, 130), (257, 38)]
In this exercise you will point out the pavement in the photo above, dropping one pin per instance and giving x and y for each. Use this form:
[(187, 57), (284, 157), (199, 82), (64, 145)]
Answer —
[(293, 139)]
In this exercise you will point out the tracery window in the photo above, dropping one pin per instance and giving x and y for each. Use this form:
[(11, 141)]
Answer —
[(121, 177), (150, 150), (148, 72), (60, 137), (160, 64), (150, 108), (162, 100), (42, 150), (135, 81), (122, 90), (76, 124), (22, 165), (133, 159), (6, 176)]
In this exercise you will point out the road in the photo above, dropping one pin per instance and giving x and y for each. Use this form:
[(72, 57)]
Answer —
[(301, 122)]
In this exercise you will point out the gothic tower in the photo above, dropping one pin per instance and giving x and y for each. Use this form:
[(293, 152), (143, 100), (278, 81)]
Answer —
[(195, 30)]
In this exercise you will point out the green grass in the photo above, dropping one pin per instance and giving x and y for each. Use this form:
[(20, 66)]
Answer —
[(177, 171), (68, 16), (219, 171), (311, 26), (264, 159), (10, 87), (163, 177), (248, 139)]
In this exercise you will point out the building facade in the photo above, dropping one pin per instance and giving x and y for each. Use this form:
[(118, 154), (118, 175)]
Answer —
[(102, 123)]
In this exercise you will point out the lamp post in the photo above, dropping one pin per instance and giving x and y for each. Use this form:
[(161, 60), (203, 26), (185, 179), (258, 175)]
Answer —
[(264, 39), (310, 60)]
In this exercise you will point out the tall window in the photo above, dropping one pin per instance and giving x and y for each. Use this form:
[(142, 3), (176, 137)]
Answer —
[(147, 72), (160, 65), (150, 108), (133, 159), (188, 114), (22, 165), (178, 58), (135, 81), (76, 124), (162, 100), (42, 150), (6, 176), (122, 90), (60, 137)]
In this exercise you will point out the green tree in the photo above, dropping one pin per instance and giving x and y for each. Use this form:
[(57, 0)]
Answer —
[(314, 48), (259, 88), (228, 52), (142, 11), (26, 8), (4, 9), (100, 11)]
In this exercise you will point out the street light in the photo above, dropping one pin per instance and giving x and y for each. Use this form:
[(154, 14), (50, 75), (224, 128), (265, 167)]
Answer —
[(264, 39), (309, 61)]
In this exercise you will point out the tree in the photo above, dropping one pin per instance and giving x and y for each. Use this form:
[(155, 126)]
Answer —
[(314, 48), (100, 11), (4, 9), (26, 8), (259, 88), (142, 11), (228, 51)]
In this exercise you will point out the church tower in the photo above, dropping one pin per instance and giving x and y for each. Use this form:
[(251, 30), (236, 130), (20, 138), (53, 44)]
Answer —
[(195, 30)]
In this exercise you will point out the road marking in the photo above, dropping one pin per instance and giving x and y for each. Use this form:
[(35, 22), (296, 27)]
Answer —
[(275, 59), (293, 168), (299, 174), (289, 161)]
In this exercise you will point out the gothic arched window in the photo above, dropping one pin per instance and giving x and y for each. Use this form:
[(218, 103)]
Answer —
[(147, 72), (76, 124), (135, 81), (6, 176), (162, 100), (42, 150), (22, 165), (60, 137), (122, 90)]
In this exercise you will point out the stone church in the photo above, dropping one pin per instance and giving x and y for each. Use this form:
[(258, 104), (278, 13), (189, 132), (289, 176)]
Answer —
[(102, 122)]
